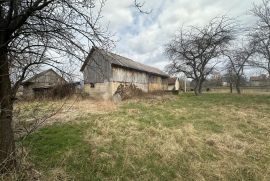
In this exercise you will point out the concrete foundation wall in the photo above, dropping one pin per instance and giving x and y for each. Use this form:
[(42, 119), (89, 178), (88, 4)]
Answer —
[(99, 91), (106, 90)]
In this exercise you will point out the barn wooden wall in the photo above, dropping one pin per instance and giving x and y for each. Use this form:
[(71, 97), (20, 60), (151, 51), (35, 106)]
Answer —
[(124, 75), (157, 83), (144, 81), (98, 69)]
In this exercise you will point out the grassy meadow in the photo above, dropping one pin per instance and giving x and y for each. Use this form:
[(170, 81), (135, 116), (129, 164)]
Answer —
[(183, 137)]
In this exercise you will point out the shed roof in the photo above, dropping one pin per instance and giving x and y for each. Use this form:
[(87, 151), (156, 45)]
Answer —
[(124, 62), (172, 80), (31, 79)]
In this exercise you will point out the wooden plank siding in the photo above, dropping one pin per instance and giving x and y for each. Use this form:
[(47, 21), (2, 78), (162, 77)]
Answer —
[(98, 69), (132, 76), (157, 83), (123, 75)]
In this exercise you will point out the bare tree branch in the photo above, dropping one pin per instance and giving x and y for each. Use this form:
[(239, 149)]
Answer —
[(238, 58), (139, 6), (260, 36), (195, 51)]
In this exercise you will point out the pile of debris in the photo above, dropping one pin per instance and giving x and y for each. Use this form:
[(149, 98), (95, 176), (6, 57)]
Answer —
[(126, 91)]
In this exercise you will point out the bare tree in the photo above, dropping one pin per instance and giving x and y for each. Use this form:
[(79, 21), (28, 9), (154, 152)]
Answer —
[(194, 51), (238, 58), (260, 36), (30, 32)]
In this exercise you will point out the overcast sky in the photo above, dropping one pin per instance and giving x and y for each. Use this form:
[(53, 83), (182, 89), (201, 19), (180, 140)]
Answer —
[(142, 37)]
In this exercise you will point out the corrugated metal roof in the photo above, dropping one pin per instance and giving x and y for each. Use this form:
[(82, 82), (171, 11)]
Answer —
[(126, 62)]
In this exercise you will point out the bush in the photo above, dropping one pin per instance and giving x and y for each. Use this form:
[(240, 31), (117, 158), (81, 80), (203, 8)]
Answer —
[(128, 91), (62, 91)]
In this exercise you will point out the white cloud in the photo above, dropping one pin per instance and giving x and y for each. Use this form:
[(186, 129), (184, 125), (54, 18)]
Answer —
[(117, 14), (142, 37)]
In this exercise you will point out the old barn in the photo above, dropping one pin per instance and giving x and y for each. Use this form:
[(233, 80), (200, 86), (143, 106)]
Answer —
[(104, 71), (40, 84)]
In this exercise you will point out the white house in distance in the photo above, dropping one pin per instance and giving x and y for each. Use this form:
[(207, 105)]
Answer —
[(173, 83), (261, 80)]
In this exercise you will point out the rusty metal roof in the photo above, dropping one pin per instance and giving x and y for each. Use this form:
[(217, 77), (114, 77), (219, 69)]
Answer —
[(125, 62)]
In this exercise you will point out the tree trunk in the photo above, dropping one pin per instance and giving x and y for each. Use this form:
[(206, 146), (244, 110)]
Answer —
[(196, 91), (237, 86), (7, 143), (198, 87), (231, 88)]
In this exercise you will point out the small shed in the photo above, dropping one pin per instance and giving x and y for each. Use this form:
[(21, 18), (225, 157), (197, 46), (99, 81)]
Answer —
[(40, 84), (104, 72), (174, 84)]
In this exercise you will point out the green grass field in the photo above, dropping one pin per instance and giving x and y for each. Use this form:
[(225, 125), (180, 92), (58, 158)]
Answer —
[(211, 137)]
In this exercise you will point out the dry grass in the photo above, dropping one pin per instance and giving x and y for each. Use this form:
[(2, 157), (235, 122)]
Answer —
[(212, 137), (61, 110)]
